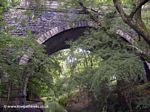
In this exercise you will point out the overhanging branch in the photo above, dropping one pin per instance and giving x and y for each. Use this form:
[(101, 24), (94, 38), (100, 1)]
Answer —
[(137, 7), (119, 8)]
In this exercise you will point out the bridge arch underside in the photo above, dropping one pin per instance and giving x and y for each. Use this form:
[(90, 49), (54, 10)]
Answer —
[(59, 41)]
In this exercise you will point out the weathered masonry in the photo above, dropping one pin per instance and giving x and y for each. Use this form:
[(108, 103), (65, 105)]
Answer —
[(51, 25)]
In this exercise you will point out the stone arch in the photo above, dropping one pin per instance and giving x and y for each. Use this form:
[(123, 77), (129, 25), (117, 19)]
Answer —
[(56, 30), (60, 40)]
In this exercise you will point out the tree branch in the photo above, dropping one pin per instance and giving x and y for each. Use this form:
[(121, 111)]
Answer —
[(138, 6), (136, 21), (85, 9), (119, 8)]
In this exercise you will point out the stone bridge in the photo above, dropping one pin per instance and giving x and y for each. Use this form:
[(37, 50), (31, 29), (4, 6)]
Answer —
[(50, 25)]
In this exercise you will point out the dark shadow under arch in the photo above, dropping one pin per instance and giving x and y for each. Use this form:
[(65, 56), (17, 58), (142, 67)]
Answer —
[(59, 41)]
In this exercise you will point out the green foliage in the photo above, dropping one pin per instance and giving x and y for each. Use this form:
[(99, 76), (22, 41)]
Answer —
[(143, 103), (54, 107), (117, 63), (9, 54), (115, 60), (63, 100), (40, 68), (96, 62), (5, 4)]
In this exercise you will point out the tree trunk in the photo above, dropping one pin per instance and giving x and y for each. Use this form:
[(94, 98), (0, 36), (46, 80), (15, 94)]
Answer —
[(134, 19), (25, 80)]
